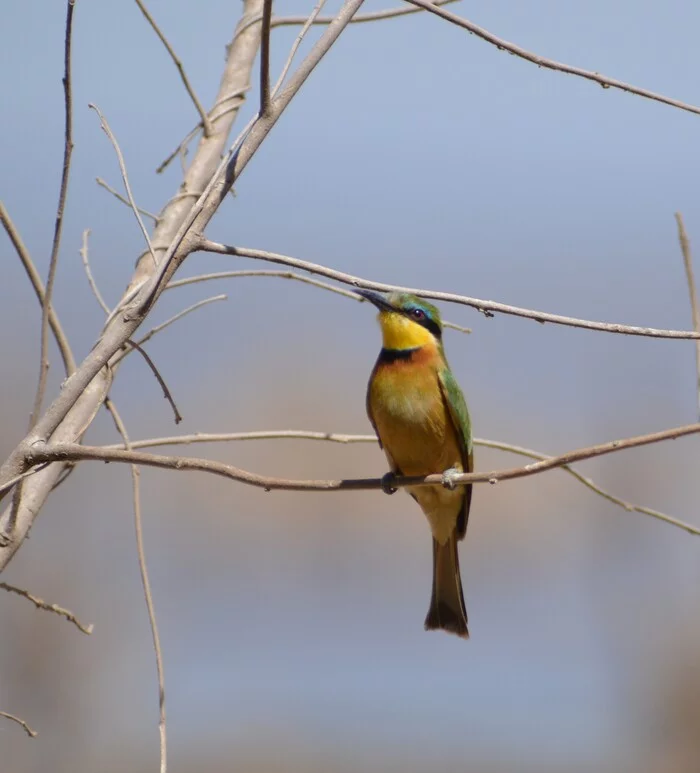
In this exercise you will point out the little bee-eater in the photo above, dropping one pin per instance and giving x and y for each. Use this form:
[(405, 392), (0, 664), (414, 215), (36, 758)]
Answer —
[(421, 419)]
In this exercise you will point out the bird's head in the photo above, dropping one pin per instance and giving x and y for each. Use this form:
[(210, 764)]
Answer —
[(407, 321)]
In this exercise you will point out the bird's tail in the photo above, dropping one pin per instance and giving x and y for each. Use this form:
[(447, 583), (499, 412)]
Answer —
[(447, 610)]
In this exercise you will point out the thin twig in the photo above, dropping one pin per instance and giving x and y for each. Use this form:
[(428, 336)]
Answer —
[(265, 59), (236, 159), (178, 316), (160, 379), (88, 272), (292, 52), (125, 178), (121, 198), (550, 64), (58, 227), (41, 604), (390, 13), (285, 275), (75, 451), (336, 437), (183, 76), (693, 293), (136, 478), (35, 279), (31, 733), (239, 93), (486, 307)]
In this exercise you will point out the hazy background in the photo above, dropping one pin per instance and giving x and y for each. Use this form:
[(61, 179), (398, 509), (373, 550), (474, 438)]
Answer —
[(292, 625)]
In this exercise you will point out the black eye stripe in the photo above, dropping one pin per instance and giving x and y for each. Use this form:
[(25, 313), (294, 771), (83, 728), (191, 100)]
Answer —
[(426, 322)]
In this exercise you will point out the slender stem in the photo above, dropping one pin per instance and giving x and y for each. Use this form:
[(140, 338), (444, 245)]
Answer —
[(693, 293), (486, 307), (145, 582), (58, 227)]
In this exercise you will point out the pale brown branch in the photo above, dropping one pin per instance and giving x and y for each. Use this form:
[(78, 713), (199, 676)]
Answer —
[(336, 437), (41, 604), (88, 272), (486, 307), (166, 392), (136, 484), (265, 59), (31, 733), (550, 64), (693, 293), (238, 93), (102, 183), (295, 46), (125, 177), (285, 275), (35, 279), (178, 316), (58, 227), (183, 76), (74, 451), (389, 13)]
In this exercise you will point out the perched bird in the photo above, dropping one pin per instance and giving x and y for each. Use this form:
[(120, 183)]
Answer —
[(421, 419)]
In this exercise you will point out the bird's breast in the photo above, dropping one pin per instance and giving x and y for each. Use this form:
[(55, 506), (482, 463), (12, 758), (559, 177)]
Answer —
[(412, 419)]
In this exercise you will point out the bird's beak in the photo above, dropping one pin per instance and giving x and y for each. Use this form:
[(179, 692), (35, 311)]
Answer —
[(378, 300)]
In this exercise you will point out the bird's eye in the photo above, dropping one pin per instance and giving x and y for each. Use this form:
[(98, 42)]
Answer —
[(418, 314)]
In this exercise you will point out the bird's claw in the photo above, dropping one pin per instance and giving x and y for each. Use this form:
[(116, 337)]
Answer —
[(448, 478), (387, 481)]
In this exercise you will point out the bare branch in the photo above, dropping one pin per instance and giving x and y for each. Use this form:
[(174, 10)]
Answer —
[(176, 317), (693, 293), (88, 272), (550, 64), (41, 604), (125, 177), (486, 307), (31, 733), (58, 227), (265, 59), (136, 481), (35, 279), (183, 76), (335, 437), (74, 451), (237, 94), (390, 13), (292, 52), (82, 395), (166, 392), (285, 275), (118, 196)]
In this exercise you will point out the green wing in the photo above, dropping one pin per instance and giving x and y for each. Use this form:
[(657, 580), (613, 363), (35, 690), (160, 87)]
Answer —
[(459, 413)]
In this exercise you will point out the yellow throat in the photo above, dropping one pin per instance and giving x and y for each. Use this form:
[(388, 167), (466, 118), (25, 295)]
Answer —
[(400, 332)]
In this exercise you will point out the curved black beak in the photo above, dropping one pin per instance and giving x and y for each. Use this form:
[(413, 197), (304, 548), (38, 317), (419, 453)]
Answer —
[(375, 298)]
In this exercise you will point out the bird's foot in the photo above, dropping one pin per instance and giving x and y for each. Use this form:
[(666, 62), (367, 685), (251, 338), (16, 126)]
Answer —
[(448, 478), (387, 481)]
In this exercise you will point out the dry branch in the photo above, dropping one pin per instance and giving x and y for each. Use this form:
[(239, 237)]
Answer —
[(337, 437), (58, 227), (550, 64), (41, 604), (146, 585), (180, 68), (35, 279), (76, 452), (693, 293), (28, 730), (486, 307)]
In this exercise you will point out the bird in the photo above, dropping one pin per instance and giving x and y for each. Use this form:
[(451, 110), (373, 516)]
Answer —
[(422, 422)]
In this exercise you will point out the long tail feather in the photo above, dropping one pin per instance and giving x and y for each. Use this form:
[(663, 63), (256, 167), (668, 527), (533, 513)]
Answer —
[(447, 611)]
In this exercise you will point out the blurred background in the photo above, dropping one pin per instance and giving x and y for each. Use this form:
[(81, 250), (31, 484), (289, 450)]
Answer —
[(292, 624)]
